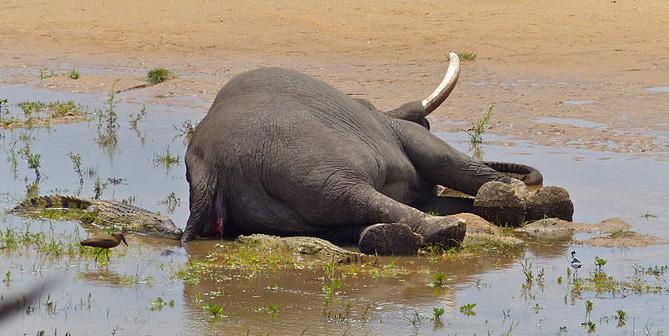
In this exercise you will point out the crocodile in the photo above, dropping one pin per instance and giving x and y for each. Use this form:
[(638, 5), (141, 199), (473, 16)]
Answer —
[(317, 248), (100, 213)]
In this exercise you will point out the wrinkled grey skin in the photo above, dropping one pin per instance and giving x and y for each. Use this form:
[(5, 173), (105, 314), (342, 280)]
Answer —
[(282, 153)]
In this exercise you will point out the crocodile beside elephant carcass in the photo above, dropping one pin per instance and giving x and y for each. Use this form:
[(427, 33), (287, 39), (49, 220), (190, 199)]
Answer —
[(282, 153)]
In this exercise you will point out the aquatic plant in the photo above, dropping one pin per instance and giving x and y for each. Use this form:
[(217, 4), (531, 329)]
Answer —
[(468, 309), (438, 280), (171, 201), (526, 267), (330, 289), (185, 129), (621, 316), (76, 162), (6, 278), (476, 131), (589, 326), (436, 315), (33, 160), (99, 187), (108, 121), (273, 309), (215, 310), (158, 303), (136, 118), (159, 75), (66, 109), (166, 159)]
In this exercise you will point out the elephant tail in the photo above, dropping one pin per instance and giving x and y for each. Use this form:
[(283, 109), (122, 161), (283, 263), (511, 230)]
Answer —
[(529, 175)]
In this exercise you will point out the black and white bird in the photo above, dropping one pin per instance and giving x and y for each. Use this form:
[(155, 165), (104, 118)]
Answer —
[(575, 263)]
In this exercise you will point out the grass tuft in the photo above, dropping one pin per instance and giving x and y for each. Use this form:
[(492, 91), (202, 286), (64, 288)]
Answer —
[(159, 75), (478, 128), (74, 74), (467, 55)]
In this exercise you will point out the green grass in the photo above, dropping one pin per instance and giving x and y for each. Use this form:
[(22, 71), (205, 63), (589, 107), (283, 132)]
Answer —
[(273, 309), (167, 158), (215, 310), (467, 56), (74, 74), (108, 122), (438, 280), (159, 75), (55, 109), (476, 131), (468, 309), (66, 109)]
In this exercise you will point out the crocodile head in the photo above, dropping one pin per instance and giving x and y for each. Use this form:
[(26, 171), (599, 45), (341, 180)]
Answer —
[(160, 226)]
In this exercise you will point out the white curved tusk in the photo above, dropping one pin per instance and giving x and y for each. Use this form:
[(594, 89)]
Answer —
[(445, 87)]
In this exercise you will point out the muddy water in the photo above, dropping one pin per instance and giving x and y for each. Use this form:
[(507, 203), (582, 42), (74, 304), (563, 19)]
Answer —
[(117, 297)]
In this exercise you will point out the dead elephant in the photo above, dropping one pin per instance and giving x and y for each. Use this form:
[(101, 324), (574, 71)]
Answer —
[(282, 153)]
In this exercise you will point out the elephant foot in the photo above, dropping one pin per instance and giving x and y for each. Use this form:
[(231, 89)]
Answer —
[(501, 203), (549, 202), (442, 232), (389, 239)]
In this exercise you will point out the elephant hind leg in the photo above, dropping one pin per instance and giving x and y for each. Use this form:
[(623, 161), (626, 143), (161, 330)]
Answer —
[(401, 229), (201, 202)]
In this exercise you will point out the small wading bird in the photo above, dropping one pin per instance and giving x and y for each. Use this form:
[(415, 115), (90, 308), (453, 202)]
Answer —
[(575, 263), (104, 243)]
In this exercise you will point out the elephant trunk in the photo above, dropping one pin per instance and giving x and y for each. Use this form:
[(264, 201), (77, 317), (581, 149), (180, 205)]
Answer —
[(529, 175), (445, 87)]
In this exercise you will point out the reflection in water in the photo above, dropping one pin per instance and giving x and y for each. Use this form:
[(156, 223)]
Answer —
[(393, 299)]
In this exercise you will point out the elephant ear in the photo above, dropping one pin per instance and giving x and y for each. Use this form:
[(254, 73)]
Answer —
[(412, 111)]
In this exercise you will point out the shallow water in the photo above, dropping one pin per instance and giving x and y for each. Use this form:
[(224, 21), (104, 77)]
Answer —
[(572, 122), (100, 299), (579, 102), (658, 89)]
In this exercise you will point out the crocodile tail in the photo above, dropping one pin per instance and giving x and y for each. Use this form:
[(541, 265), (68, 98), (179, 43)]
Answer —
[(529, 175), (53, 201)]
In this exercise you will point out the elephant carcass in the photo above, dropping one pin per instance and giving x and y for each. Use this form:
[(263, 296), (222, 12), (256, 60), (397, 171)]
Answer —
[(282, 153)]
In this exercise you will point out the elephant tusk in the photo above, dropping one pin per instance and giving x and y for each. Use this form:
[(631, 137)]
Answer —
[(445, 87)]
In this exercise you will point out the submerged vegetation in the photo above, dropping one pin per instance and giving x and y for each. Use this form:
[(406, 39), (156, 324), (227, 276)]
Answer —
[(108, 122)]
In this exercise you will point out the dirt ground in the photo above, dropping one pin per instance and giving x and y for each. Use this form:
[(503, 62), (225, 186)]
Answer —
[(591, 61)]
